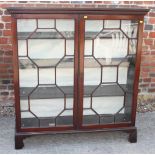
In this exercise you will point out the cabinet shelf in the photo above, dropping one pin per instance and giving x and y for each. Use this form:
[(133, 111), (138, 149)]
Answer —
[(68, 62), (54, 92), (68, 120), (69, 35)]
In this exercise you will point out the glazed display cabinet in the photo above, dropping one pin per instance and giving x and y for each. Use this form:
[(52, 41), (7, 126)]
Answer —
[(76, 70)]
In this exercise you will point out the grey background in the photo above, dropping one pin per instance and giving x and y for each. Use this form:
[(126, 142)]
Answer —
[(103, 142)]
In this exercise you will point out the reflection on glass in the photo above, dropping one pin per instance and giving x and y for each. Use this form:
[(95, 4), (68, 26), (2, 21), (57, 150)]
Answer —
[(109, 67), (132, 46), (130, 27), (110, 40), (46, 71)]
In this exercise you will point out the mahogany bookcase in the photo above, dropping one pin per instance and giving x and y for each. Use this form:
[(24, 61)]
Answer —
[(76, 69)]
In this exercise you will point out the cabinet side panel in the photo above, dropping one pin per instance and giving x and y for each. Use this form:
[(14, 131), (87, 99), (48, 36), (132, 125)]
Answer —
[(16, 76), (137, 68)]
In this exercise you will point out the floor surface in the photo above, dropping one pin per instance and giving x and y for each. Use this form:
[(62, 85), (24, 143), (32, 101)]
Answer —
[(103, 142)]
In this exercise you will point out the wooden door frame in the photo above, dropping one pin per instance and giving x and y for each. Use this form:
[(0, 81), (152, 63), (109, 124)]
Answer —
[(84, 17), (16, 70)]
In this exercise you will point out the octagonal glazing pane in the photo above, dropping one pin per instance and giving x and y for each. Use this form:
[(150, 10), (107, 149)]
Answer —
[(46, 52), (47, 107), (107, 105), (46, 48)]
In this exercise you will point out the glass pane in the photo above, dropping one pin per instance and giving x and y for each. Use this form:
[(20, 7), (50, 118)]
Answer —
[(69, 103), (24, 105), (46, 48), (109, 74), (22, 49), (92, 72), (65, 72), (28, 119), (88, 47), (130, 28), (46, 72), (69, 47), (132, 46), (46, 23), (46, 34), (111, 24), (26, 25), (110, 105), (110, 40), (46, 76), (46, 107), (92, 28), (109, 69), (27, 68), (65, 27)]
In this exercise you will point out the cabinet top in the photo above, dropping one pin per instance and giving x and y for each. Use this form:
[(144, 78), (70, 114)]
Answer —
[(107, 9)]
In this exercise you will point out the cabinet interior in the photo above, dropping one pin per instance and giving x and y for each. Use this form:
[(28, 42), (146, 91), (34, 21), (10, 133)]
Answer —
[(46, 54)]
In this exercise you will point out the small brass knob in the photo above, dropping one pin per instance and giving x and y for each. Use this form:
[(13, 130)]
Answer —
[(85, 17), (141, 21)]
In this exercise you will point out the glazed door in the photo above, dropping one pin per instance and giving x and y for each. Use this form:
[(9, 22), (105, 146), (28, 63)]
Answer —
[(108, 58), (47, 62)]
